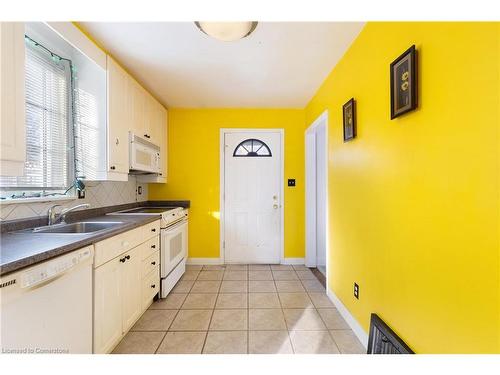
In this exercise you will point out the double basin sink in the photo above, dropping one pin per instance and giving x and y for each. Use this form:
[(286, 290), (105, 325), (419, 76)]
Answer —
[(82, 227)]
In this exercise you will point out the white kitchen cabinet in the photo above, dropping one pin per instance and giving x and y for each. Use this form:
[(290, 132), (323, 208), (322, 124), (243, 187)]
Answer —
[(12, 107), (131, 287), (118, 120), (137, 100), (107, 306)]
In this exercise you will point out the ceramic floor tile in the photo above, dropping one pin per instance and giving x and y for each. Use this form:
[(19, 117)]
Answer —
[(210, 275), (266, 320), (347, 342), (303, 320), (306, 275), (300, 267), (313, 286), (234, 286), (313, 342), (229, 320), (173, 301), (236, 267), (261, 286), (232, 301), (281, 267), (193, 267), (285, 275), (263, 301), (205, 286), (190, 275), (269, 342), (259, 267), (320, 300), (295, 300), (215, 267), (183, 286), (191, 320), (235, 275), (199, 301), (155, 320), (260, 275), (182, 343), (139, 343), (229, 342), (333, 319), (289, 286)]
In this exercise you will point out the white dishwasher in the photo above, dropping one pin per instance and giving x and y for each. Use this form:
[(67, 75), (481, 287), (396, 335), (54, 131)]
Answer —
[(47, 308)]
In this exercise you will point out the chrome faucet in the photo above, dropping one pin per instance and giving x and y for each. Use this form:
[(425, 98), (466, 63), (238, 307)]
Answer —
[(53, 218)]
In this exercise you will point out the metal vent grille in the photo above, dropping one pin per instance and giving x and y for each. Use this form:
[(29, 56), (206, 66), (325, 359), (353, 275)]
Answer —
[(383, 340)]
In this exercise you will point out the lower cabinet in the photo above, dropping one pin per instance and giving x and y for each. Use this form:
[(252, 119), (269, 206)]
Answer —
[(124, 287)]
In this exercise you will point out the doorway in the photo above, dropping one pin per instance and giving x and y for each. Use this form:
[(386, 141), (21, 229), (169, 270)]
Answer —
[(251, 195), (316, 148)]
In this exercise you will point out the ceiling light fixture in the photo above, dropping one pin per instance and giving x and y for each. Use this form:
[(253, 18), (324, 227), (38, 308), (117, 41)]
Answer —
[(227, 31)]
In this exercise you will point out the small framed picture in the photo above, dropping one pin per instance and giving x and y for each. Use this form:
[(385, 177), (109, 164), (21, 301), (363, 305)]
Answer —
[(404, 83), (349, 111)]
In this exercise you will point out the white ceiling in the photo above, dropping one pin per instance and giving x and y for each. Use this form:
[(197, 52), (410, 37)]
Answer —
[(281, 64)]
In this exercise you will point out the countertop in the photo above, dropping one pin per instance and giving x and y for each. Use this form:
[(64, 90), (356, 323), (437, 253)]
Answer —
[(20, 250)]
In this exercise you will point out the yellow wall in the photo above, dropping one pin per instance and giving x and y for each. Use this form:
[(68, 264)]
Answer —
[(193, 170), (414, 201)]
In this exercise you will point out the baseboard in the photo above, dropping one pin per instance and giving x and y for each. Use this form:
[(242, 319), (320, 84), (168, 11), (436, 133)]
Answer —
[(346, 314), (204, 261), (293, 261)]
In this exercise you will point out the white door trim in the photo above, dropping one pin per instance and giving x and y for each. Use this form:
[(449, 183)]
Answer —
[(223, 132), (310, 173)]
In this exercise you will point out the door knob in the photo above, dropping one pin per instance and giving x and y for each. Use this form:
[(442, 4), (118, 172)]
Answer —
[(275, 197), (275, 206)]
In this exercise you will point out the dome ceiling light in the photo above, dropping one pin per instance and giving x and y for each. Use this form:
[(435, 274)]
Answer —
[(227, 31)]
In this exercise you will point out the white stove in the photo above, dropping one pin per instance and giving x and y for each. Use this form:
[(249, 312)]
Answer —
[(173, 242)]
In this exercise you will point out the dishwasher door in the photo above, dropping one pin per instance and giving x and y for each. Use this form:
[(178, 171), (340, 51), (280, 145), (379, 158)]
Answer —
[(47, 308)]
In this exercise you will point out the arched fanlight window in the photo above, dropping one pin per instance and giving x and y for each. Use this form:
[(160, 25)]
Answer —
[(252, 148)]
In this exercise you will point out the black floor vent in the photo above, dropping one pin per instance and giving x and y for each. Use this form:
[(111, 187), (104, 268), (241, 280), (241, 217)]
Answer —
[(383, 340)]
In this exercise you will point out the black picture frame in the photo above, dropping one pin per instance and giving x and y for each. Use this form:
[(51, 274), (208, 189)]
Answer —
[(404, 90), (349, 120)]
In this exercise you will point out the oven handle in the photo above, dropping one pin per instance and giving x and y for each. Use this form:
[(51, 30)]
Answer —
[(177, 225)]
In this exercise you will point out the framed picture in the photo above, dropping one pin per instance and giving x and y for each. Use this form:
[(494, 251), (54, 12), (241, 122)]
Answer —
[(349, 112), (404, 83)]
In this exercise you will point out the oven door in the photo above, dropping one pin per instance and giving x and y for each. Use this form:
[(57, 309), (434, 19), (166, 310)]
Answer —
[(173, 245)]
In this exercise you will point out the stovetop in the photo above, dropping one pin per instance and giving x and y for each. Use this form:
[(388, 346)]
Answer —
[(148, 210)]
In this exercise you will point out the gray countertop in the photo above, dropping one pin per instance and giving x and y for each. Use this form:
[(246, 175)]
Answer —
[(20, 250)]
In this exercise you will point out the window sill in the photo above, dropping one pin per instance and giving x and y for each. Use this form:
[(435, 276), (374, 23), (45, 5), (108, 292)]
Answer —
[(37, 200)]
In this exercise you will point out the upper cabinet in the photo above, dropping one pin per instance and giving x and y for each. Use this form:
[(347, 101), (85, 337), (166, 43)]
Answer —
[(12, 108), (119, 121)]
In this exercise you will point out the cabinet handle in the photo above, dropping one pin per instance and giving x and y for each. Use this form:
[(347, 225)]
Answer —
[(112, 167), (122, 260), (117, 141), (153, 286), (127, 257), (153, 263), (147, 136), (153, 246), (153, 230)]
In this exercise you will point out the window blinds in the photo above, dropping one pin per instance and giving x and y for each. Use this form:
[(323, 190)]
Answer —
[(48, 119)]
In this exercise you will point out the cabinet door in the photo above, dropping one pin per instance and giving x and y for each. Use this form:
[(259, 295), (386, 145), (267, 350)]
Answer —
[(118, 118), (131, 287), (138, 106), (107, 306), (156, 125), (12, 108), (163, 142)]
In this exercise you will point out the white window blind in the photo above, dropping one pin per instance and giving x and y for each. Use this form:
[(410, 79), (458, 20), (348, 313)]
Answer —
[(48, 124)]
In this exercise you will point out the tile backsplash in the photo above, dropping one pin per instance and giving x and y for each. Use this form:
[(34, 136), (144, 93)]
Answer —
[(97, 194)]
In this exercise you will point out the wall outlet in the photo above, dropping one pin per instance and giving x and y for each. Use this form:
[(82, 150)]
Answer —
[(81, 194), (291, 182), (356, 291), (139, 190)]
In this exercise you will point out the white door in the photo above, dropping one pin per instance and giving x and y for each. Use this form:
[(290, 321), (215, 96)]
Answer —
[(252, 201)]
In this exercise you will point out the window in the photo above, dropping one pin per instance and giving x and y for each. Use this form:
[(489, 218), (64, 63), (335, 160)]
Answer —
[(49, 151), (252, 148)]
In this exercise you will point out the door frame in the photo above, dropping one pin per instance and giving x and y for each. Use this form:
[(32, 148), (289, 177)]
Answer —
[(222, 206), (311, 191)]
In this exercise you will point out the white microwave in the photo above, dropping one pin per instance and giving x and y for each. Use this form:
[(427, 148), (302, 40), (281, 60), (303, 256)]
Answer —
[(144, 155)]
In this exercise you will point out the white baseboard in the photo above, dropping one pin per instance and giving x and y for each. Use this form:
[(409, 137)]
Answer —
[(346, 314), (204, 261), (293, 261)]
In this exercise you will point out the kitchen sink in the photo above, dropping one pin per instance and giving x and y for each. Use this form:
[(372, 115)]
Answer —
[(76, 228)]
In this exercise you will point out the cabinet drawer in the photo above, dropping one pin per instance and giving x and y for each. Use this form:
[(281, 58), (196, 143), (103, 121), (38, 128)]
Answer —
[(150, 286), (151, 230), (112, 247), (149, 247), (150, 263)]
